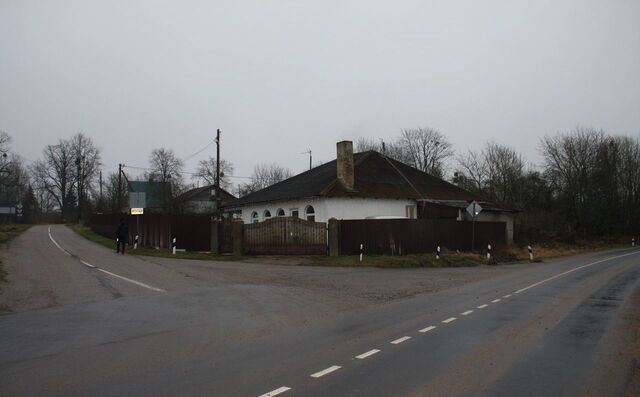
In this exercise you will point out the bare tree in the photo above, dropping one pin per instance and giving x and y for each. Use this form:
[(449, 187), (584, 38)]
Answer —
[(505, 171), (472, 173), (111, 193), (423, 148), (88, 162), (364, 144), (264, 175), (166, 168), (206, 172), (54, 174)]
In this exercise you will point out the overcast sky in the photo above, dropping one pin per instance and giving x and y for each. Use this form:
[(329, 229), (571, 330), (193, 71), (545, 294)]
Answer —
[(282, 77)]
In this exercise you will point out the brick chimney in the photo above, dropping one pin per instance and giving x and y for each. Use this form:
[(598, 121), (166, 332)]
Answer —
[(345, 164)]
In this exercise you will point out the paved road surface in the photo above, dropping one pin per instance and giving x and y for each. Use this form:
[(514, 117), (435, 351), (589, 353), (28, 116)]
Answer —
[(114, 326)]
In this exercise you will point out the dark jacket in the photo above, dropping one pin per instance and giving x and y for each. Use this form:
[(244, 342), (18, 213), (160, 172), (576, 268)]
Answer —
[(123, 232)]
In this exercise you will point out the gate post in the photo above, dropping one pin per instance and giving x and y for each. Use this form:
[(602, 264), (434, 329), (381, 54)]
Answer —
[(215, 236), (237, 235), (334, 237)]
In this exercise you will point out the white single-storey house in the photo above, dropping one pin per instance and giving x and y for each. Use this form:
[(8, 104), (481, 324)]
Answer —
[(364, 185)]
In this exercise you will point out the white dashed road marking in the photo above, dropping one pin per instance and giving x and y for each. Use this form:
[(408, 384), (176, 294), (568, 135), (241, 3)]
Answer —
[(495, 300), (326, 371), (275, 392), (482, 306), (507, 296), (400, 340), (368, 354), (467, 312), (450, 319), (429, 328)]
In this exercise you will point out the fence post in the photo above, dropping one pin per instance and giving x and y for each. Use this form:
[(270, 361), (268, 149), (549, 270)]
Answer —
[(215, 236), (334, 237), (237, 235)]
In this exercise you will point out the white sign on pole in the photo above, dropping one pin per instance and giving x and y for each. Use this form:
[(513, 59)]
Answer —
[(137, 211), (474, 209)]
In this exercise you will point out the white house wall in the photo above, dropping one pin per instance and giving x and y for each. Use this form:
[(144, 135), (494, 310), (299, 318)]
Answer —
[(339, 208)]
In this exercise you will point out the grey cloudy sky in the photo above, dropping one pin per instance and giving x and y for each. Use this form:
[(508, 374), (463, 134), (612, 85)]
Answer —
[(281, 77)]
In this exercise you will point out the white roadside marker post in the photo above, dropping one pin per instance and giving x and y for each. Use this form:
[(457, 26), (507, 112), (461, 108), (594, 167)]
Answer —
[(135, 243), (633, 242), (530, 253), (438, 252), (361, 246), (488, 251), (173, 244)]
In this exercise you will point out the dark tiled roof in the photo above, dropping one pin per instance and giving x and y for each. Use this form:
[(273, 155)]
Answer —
[(204, 193), (375, 175)]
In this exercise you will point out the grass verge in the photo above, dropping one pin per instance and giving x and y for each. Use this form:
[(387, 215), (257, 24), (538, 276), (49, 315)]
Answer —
[(388, 261), (90, 235), (7, 232)]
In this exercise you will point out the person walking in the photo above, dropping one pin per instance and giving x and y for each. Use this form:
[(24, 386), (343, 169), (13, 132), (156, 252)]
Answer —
[(122, 236)]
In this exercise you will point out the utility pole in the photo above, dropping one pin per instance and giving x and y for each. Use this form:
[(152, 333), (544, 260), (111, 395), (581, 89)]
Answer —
[(310, 157), (119, 188), (79, 168), (101, 202), (218, 174)]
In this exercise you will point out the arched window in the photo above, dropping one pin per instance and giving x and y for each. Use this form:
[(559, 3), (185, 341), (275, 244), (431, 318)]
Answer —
[(254, 217), (310, 214), (267, 215), (280, 212)]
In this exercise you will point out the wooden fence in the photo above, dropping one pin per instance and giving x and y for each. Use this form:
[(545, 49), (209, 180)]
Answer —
[(412, 236), (192, 232), (286, 236)]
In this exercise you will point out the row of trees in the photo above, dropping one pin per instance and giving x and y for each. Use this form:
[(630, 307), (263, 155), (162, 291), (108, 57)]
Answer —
[(587, 185)]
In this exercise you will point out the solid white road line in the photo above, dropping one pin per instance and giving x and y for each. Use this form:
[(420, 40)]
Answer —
[(573, 270), (450, 319), (495, 300), (467, 312), (131, 281), (87, 264), (326, 371), (400, 340), (138, 283), (56, 243), (482, 306), (427, 329), (368, 354), (275, 392)]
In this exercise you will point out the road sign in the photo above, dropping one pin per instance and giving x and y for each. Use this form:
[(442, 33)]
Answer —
[(137, 211), (474, 209)]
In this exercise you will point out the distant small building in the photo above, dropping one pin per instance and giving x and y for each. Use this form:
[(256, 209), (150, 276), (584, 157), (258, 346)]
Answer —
[(201, 200), (157, 194)]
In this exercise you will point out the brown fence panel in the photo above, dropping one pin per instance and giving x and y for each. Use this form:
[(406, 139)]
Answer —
[(413, 236), (286, 236), (193, 233)]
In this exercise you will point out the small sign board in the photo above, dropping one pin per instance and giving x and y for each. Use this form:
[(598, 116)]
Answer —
[(137, 211), (137, 199), (474, 209)]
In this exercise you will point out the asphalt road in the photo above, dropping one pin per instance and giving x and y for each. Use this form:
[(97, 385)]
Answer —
[(113, 325)]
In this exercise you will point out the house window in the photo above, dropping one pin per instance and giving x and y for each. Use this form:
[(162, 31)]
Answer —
[(280, 212), (267, 215), (310, 214), (411, 211), (294, 213), (254, 217)]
